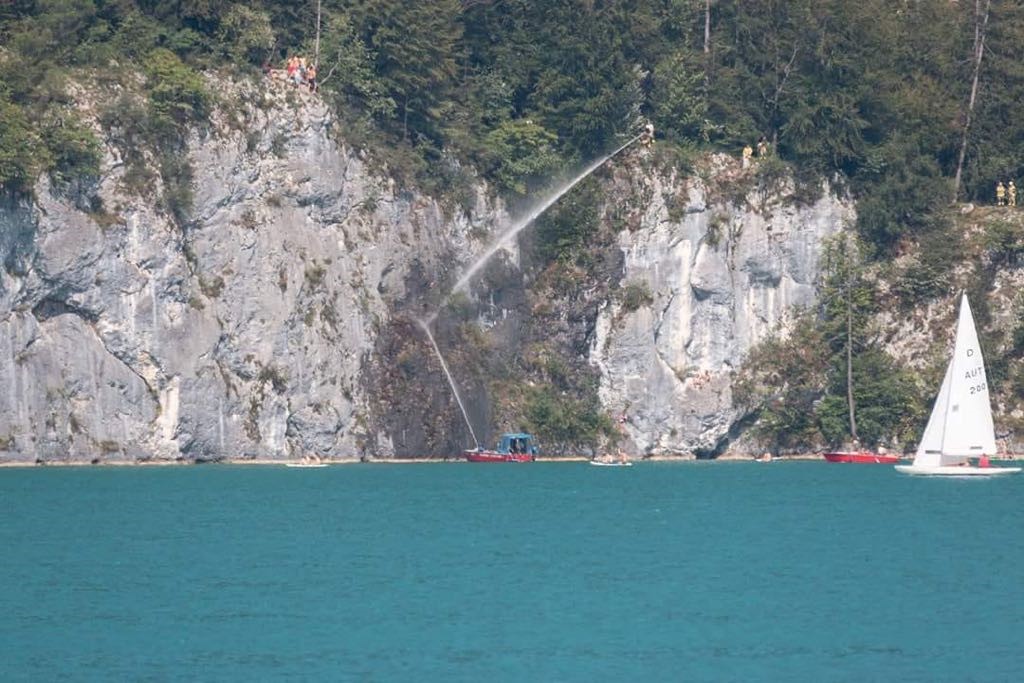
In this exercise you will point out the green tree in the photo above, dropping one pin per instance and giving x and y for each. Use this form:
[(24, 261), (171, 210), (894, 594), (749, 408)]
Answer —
[(22, 153), (587, 91), (868, 397), (177, 95), (74, 151), (415, 47), (246, 34), (346, 68), (564, 229), (679, 108), (780, 382), (888, 399), (996, 137), (521, 155), (564, 424)]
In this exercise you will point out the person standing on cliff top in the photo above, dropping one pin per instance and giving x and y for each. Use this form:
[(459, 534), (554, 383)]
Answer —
[(647, 135), (1011, 193), (1000, 194), (311, 77)]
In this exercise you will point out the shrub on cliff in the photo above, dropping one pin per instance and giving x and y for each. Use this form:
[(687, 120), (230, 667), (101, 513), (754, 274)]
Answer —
[(74, 150), (22, 154), (177, 95), (634, 295), (566, 227), (563, 423), (520, 154), (781, 381)]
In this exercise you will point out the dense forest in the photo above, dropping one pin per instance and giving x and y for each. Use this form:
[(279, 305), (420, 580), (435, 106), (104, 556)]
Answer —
[(909, 106), (877, 94)]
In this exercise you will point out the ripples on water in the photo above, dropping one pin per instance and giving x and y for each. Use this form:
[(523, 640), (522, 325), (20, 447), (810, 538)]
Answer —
[(690, 571)]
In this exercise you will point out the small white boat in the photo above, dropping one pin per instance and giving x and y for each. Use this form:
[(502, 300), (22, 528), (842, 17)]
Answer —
[(307, 461), (960, 426), (612, 463)]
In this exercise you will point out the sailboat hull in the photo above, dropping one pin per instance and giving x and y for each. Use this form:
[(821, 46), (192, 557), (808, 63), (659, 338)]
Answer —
[(956, 470), (862, 457)]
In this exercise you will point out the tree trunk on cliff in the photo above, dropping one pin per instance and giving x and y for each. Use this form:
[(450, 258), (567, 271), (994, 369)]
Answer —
[(980, 24), (707, 26), (316, 49)]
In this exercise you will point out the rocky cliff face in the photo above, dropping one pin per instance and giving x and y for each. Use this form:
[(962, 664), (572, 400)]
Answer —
[(269, 324), (724, 260), (244, 333)]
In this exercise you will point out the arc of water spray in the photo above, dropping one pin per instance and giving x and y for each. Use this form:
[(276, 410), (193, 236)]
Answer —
[(524, 221), (506, 236), (451, 380)]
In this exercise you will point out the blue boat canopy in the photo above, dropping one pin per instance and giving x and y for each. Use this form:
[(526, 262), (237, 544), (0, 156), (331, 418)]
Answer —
[(517, 442)]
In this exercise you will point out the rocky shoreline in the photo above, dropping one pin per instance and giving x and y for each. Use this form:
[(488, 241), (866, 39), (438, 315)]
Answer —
[(355, 460)]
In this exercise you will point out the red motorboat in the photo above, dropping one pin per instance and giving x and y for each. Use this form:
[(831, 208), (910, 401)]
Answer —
[(862, 457), (511, 448), (494, 456)]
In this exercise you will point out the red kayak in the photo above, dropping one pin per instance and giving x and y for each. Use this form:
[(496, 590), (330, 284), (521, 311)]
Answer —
[(862, 457)]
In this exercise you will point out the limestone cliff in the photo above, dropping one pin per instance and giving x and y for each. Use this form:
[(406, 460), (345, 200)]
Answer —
[(274, 321), (723, 269)]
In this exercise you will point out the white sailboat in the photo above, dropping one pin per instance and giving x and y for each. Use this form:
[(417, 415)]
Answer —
[(960, 426)]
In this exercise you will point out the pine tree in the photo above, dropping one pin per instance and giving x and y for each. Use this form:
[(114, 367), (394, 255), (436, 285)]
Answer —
[(415, 46)]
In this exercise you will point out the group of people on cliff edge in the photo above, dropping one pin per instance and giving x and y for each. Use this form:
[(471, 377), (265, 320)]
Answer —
[(763, 148), (299, 72), (1006, 195)]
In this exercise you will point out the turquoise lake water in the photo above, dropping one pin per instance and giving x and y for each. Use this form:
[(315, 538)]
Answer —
[(790, 571)]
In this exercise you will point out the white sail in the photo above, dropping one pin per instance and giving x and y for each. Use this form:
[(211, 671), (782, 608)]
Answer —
[(929, 451), (968, 429), (960, 425)]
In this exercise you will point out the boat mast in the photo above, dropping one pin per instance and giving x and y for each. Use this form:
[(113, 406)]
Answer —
[(849, 343), (849, 374)]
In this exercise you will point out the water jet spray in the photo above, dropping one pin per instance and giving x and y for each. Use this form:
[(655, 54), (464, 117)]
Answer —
[(451, 381), (500, 242), (529, 218)]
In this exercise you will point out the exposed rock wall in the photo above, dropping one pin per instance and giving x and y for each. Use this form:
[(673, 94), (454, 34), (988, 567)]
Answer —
[(245, 332), (722, 271), (266, 325)]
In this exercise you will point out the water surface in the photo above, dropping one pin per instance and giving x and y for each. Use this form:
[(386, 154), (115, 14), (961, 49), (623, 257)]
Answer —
[(543, 572)]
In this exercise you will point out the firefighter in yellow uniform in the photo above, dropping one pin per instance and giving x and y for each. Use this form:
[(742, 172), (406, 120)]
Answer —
[(748, 152), (646, 136), (1011, 194), (1000, 194)]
